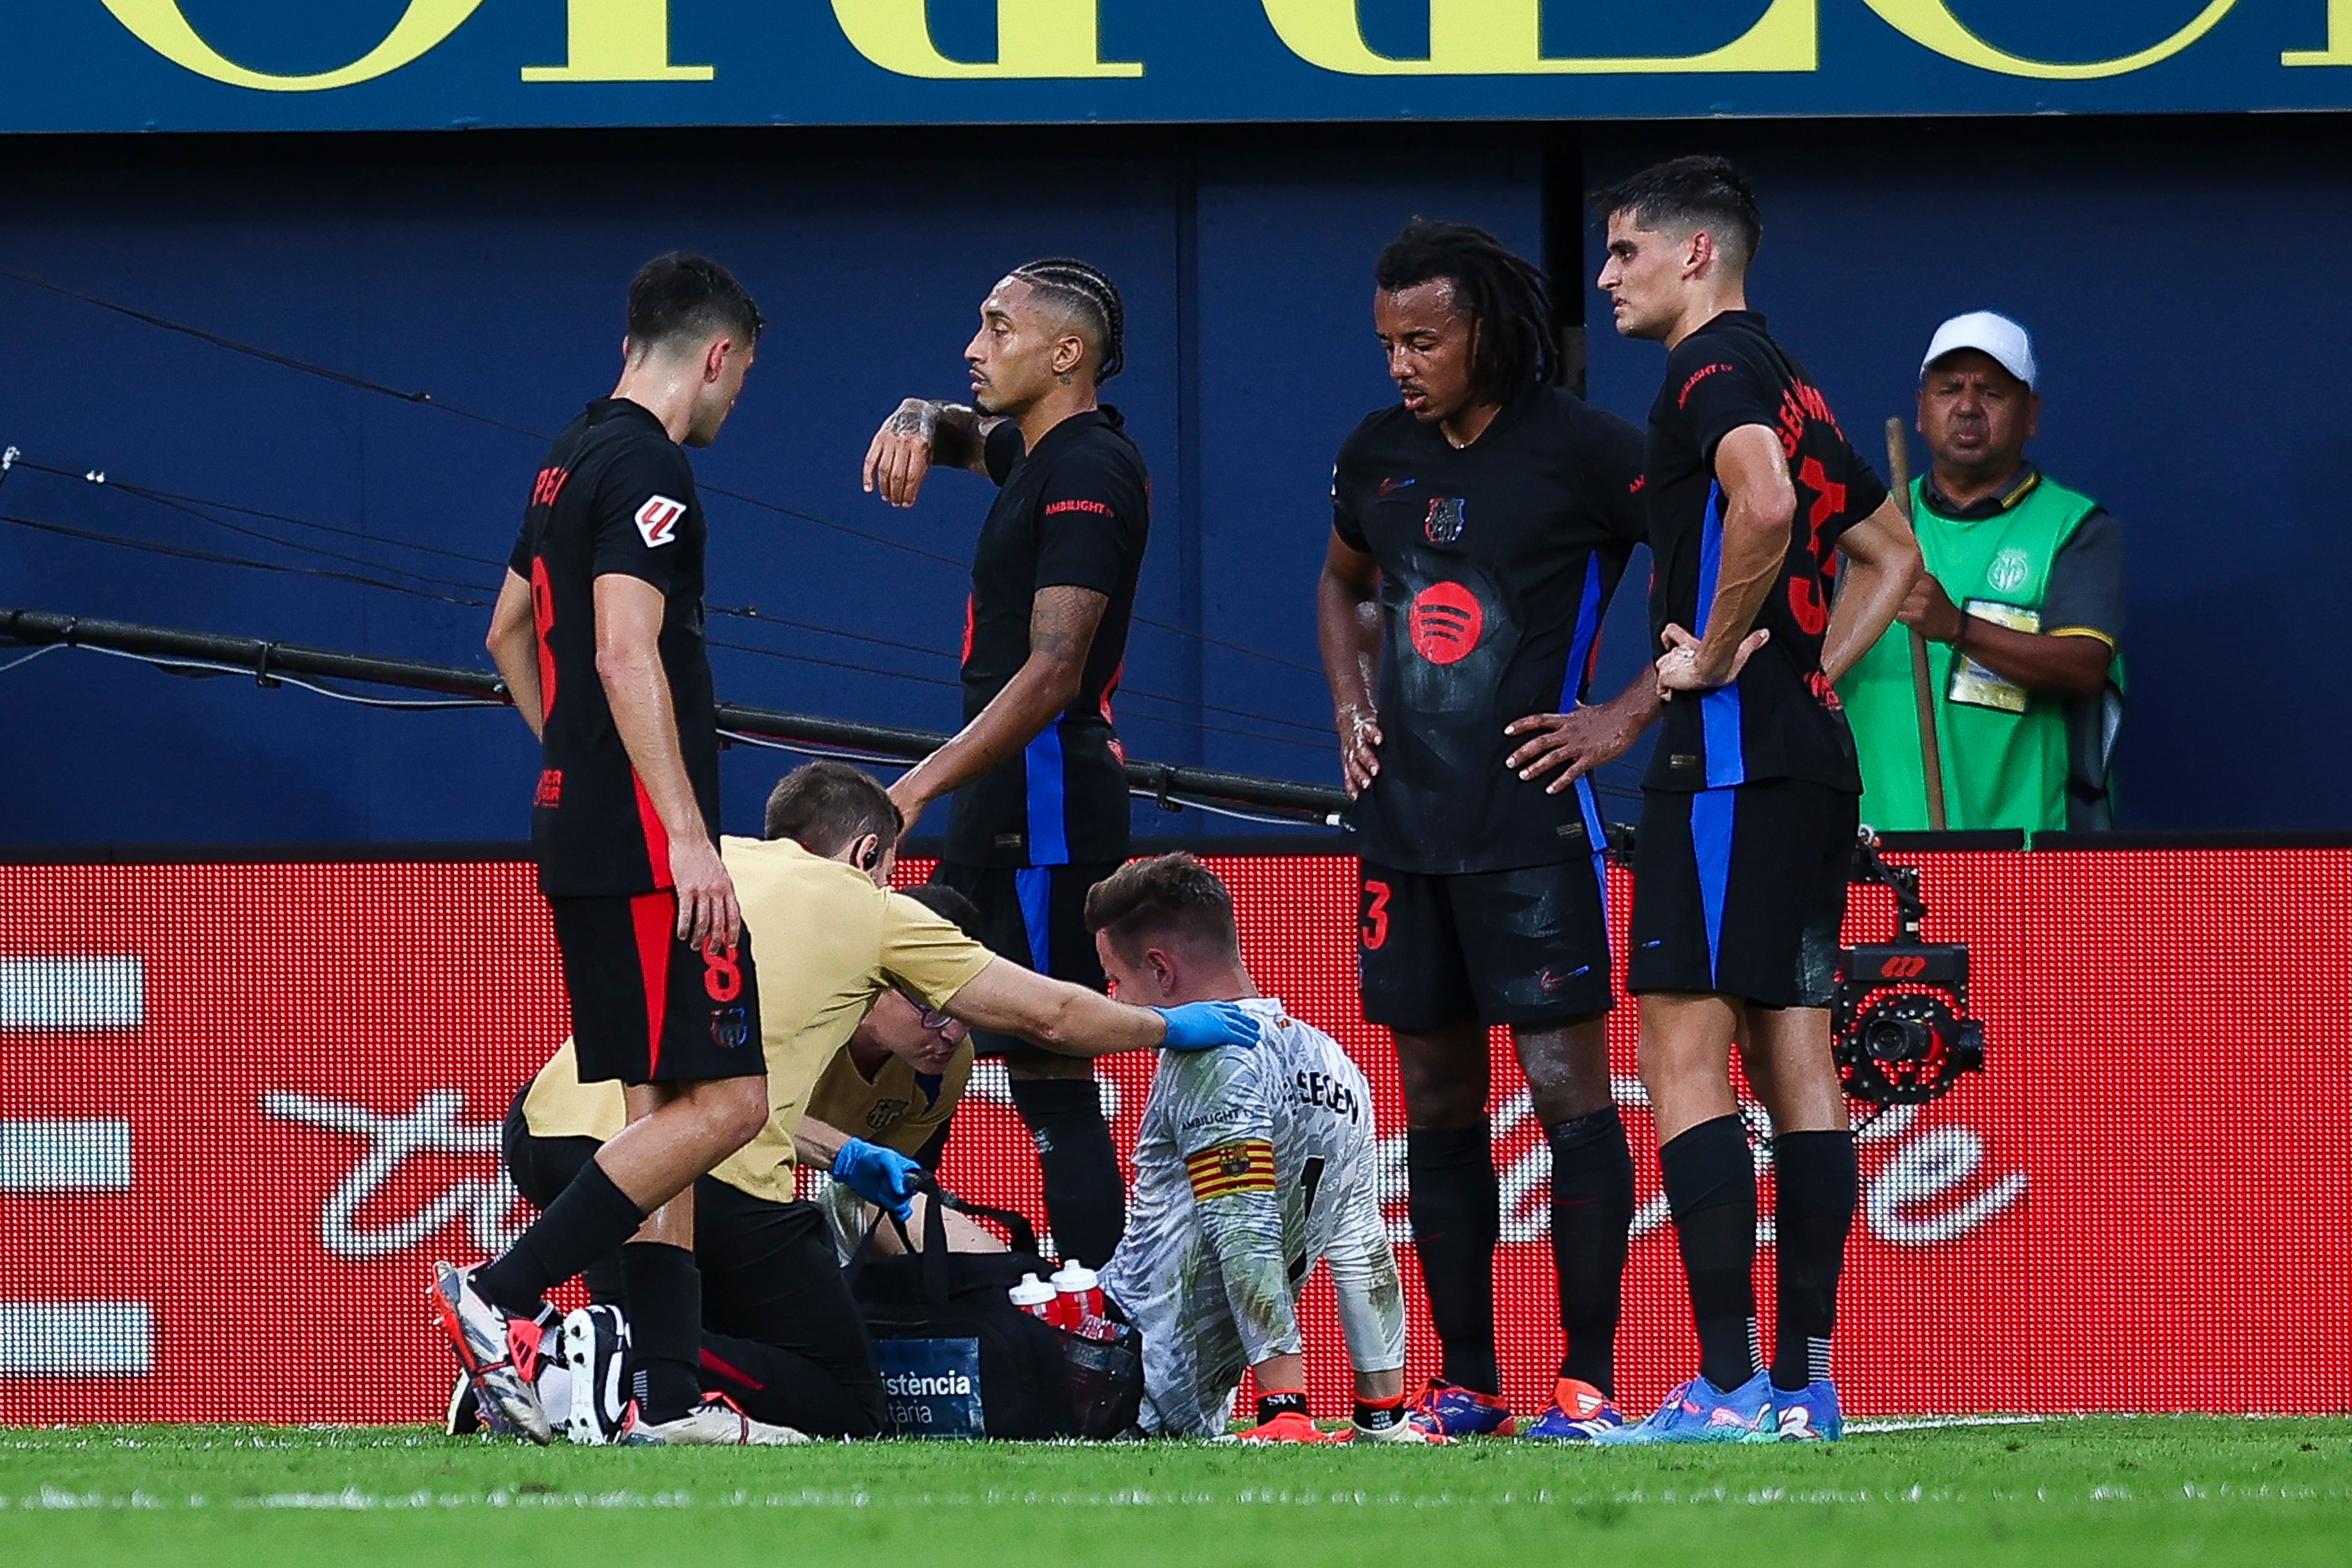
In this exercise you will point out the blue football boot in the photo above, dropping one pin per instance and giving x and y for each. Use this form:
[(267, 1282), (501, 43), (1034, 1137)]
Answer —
[(1811, 1414), (1698, 1412), (1578, 1414), (1449, 1410)]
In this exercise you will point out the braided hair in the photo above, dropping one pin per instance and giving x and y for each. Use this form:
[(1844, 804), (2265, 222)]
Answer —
[(1504, 295), (1092, 297)]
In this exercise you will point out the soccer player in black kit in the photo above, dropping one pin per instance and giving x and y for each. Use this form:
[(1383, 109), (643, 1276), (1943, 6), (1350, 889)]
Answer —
[(1041, 808), (1479, 528), (1758, 506), (599, 633)]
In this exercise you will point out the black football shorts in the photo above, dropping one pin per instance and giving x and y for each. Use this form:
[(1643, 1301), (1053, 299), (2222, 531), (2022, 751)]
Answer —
[(1523, 946), (649, 1008), (1036, 916), (1741, 891)]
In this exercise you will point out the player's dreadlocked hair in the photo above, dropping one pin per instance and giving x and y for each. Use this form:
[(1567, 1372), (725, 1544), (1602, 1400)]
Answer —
[(1695, 194), (1087, 291), (1503, 294)]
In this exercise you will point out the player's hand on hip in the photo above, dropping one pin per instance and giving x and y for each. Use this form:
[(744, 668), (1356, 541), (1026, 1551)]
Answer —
[(901, 454), (1680, 668), (1205, 1026), (1359, 743), (883, 1177), (1931, 610), (1573, 743), (708, 915)]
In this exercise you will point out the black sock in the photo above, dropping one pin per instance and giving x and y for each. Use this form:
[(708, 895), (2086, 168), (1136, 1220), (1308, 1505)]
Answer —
[(1085, 1201), (1456, 1205), (1817, 1178), (1591, 1216), (665, 1329), (1711, 1188), (588, 1220)]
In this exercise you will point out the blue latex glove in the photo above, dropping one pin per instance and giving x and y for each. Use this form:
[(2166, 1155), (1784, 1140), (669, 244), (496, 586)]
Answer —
[(879, 1175), (1205, 1026)]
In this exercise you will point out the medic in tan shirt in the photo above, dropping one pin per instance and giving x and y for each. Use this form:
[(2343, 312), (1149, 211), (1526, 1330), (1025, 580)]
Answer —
[(781, 1336)]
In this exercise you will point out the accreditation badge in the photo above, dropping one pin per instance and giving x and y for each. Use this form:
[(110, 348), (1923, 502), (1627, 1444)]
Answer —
[(1974, 685)]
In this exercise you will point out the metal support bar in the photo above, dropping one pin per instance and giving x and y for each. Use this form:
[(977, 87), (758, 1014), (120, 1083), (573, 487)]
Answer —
[(1165, 781)]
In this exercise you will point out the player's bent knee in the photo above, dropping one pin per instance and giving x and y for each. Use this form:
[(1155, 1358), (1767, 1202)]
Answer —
[(733, 1111)]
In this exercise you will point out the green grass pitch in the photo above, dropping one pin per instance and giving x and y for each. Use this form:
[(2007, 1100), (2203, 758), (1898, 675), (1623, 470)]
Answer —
[(2139, 1492)]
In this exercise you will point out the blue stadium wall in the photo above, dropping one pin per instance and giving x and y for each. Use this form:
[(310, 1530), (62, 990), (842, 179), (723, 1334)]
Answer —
[(2181, 275)]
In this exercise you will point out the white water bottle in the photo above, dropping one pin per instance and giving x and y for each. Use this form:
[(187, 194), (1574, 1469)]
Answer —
[(1035, 1297), (1078, 1295)]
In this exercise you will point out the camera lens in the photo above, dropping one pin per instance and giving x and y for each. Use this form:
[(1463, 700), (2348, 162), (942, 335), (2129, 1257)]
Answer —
[(1891, 1038)]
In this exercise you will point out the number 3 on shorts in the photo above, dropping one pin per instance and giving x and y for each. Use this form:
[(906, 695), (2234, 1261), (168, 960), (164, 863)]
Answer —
[(1376, 915), (722, 977)]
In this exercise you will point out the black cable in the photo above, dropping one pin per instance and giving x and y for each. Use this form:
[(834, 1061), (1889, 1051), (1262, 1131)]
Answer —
[(426, 400), (192, 506), (270, 356), (148, 493), (97, 477), (183, 552)]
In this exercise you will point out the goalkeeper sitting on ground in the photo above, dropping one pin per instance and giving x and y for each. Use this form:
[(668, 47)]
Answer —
[(1250, 1166)]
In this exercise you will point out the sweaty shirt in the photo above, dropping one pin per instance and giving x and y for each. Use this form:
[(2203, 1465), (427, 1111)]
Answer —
[(826, 940), (1075, 512), (615, 497), (1781, 718), (1497, 561)]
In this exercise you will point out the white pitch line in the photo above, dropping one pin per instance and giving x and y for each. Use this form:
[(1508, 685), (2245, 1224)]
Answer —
[(1931, 1423)]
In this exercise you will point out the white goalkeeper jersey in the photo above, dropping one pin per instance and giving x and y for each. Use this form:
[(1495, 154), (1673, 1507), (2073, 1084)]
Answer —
[(1251, 1166)]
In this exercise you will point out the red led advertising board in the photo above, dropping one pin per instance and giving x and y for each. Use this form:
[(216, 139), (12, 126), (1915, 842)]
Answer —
[(242, 1108)]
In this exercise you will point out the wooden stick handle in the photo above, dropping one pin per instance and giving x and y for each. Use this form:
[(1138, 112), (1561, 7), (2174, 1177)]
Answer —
[(1923, 686)]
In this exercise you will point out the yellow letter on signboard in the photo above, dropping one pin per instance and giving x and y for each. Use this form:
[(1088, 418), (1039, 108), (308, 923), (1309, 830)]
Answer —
[(1931, 22), (617, 40), (159, 24), (1034, 40), (1504, 37), (2339, 51)]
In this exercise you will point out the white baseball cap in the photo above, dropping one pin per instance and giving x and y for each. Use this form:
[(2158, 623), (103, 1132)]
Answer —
[(1988, 332)]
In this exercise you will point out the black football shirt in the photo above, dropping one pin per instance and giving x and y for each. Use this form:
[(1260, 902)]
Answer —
[(1498, 561), (1075, 512), (615, 496), (1781, 718)]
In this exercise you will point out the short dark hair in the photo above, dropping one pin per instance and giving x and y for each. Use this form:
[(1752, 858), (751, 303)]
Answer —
[(682, 295), (1505, 295), (1087, 292), (824, 807), (1694, 192), (949, 906), (1167, 895)]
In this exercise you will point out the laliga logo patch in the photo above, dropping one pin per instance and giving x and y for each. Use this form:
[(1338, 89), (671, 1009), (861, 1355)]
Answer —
[(657, 521), (1443, 524), (1444, 623)]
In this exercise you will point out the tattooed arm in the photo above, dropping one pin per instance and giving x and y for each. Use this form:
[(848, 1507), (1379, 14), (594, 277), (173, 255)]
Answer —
[(919, 436), (1062, 622)]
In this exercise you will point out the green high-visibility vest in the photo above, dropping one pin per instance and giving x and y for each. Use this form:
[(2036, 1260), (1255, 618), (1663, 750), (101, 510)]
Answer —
[(2001, 768)]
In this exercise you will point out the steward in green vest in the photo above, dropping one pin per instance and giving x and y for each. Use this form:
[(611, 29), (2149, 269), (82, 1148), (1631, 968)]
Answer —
[(2021, 605)]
